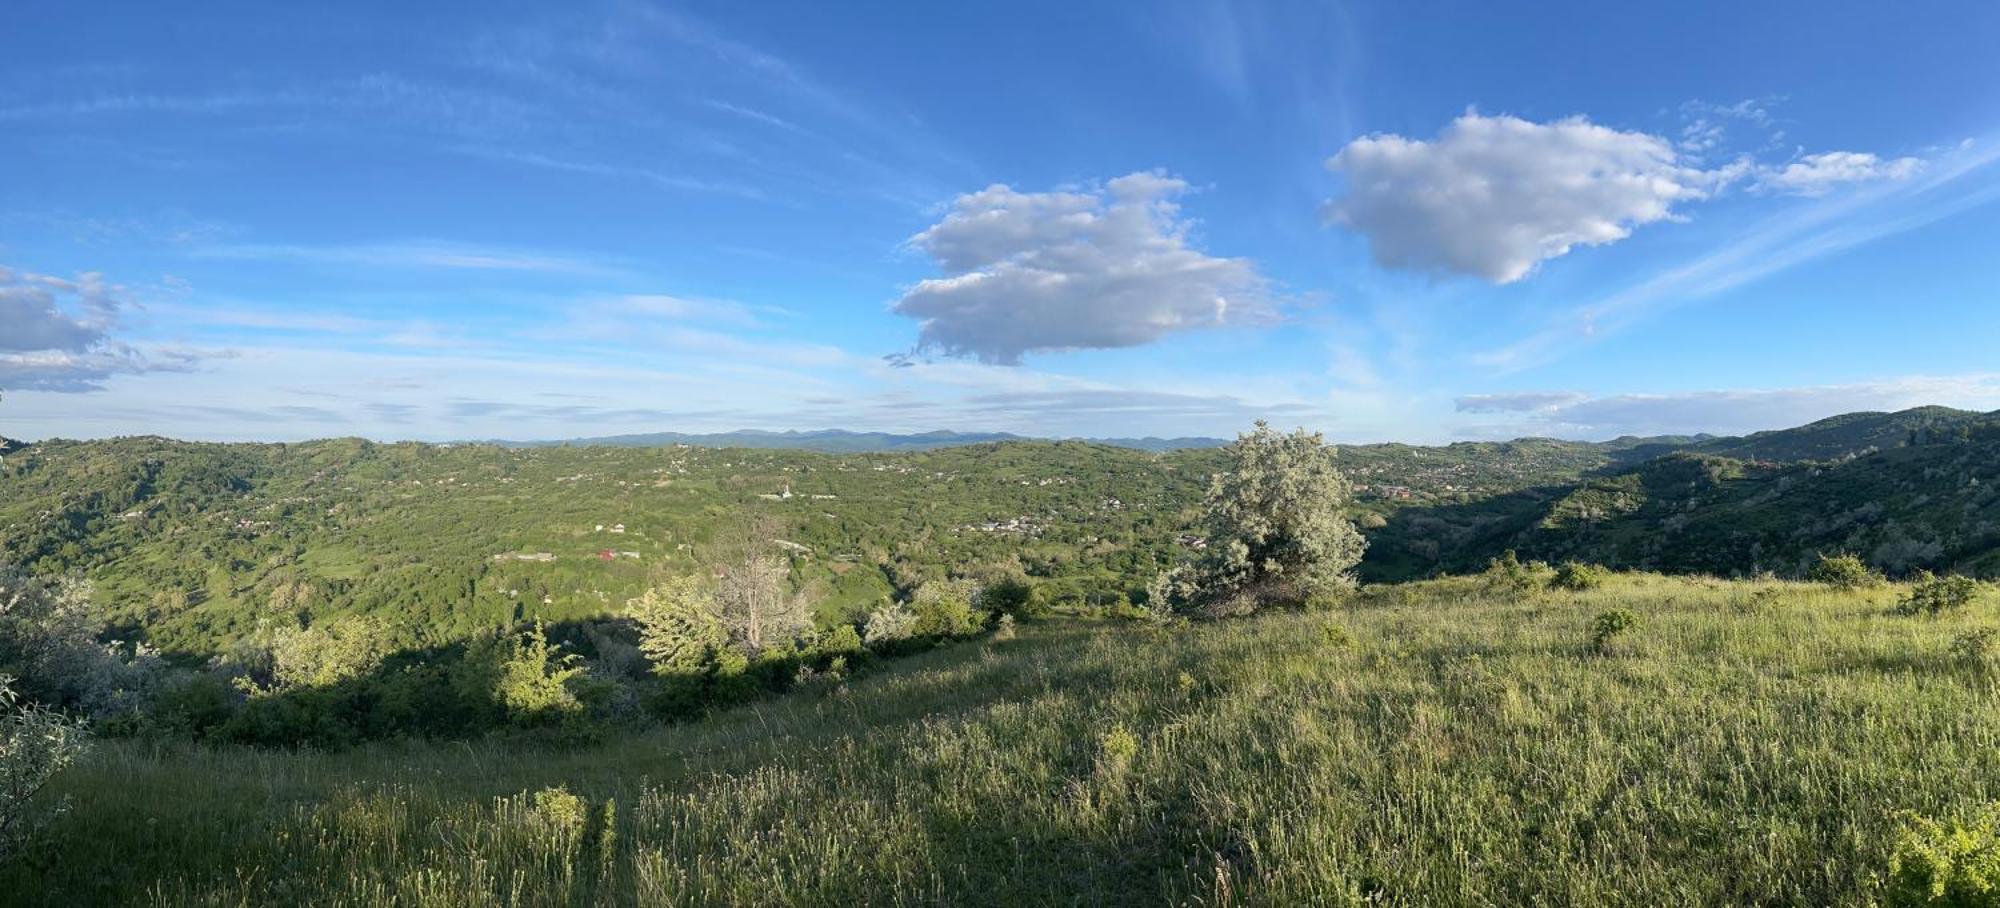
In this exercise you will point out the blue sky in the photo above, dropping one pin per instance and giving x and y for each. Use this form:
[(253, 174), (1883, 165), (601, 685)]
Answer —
[(1409, 221)]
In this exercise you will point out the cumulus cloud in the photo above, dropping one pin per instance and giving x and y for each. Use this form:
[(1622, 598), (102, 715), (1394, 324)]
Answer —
[(39, 312), (1105, 267), (1729, 412), (54, 334), (1494, 196), (1818, 174)]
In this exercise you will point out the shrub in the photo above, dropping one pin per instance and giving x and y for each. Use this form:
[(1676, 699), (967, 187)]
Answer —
[(1946, 864), (679, 632), (841, 642), (1510, 574), (1274, 529), (943, 608), (1013, 596), (35, 744), (1976, 648), (1609, 626), (1004, 628), (1934, 595), (1115, 750), (323, 655), (48, 645), (1335, 636), (1577, 577), (888, 623), (523, 676), (1844, 571)]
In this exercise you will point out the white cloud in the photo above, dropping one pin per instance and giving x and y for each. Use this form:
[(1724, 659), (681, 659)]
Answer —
[(32, 316), (417, 254), (1523, 402), (65, 371), (1951, 183), (1818, 174), (1728, 412), (1494, 196), (1097, 268), (54, 334)]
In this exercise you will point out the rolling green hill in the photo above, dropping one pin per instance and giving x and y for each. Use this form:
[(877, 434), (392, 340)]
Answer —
[(194, 546), (199, 544), (1931, 500)]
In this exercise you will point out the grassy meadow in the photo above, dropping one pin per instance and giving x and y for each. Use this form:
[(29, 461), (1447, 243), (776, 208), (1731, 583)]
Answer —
[(1442, 743)]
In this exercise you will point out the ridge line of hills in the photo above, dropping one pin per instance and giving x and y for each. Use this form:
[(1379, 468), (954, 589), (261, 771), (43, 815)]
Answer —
[(201, 544)]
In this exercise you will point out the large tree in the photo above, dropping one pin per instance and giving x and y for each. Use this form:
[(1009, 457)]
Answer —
[(1274, 527)]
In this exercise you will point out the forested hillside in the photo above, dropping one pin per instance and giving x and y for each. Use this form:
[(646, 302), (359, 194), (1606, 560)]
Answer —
[(200, 544), (194, 546)]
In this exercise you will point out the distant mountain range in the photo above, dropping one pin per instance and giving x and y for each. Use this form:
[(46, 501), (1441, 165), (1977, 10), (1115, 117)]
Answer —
[(841, 441)]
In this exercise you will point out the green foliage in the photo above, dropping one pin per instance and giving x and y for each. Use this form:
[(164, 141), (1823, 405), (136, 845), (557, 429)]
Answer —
[(944, 608), (1510, 574), (340, 650), (888, 623), (1609, 627), (1843, 571), (1977, 648), (49, 646), (1933, 595), (36, 743), (523, 676), (1578, 577), (1274, 525), (1116, 748), (1953, 864), (203, 545), (1013, 596), (679, 632), (1265, 769)]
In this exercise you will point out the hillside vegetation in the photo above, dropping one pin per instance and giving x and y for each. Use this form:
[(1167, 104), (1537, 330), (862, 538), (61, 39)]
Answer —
[(198, 546), (1454, 742)]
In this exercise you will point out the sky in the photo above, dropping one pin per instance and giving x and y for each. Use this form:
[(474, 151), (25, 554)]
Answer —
[(1413, 221)]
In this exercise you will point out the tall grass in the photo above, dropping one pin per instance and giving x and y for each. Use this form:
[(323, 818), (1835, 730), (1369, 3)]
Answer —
[(1431, 744)]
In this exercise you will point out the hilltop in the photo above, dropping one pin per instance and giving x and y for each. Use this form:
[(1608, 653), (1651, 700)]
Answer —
[(841, 441), (1431, 744)]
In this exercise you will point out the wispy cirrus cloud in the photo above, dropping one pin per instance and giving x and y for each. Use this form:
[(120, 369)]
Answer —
[(1723, 412), (419, 254), (1956, 181)]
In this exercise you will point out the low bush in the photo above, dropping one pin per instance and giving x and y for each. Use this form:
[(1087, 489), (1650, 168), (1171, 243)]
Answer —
[(1954, 863), (1844, 571), (1976, 648), (1609, 627), (35, 744), (1577, 577), (1934, 595), (1509, 573)]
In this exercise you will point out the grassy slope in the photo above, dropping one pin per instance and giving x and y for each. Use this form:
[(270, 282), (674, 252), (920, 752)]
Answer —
[(1463, 749)]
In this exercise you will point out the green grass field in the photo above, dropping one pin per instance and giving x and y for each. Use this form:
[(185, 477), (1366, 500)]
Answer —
[(1432, 744)]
